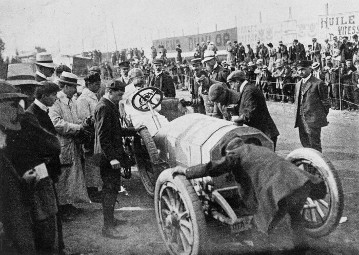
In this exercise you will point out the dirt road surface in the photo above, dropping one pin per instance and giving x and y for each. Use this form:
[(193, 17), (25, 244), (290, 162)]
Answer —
[(340, 144)]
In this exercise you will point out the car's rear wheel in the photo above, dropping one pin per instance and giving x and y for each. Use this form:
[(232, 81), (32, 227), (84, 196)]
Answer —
[(320, 215)]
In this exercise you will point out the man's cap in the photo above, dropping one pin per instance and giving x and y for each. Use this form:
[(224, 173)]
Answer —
[(208, 55), (355, 36), (236, 75), (335, 37), (326, 40), (69, 79), (124, 64), (135, 72), (63, 68), (345, 37), (295, 40), (280, 42), (328, 58), (95, 69), (250, 63), (93, 77), (157, 61), (9, 92), (45, 59), (304, 63), (315, 65), (201, 75), (314, 39), (116, 85), (235, 42), (196, 61), (47, 88), (215, 91), (270, 44)]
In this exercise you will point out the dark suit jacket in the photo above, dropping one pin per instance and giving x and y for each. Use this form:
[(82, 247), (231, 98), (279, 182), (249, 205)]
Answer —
[(164, 82), (251, 105), (264, 177), (314, 102), (54, 165), (109, 133)]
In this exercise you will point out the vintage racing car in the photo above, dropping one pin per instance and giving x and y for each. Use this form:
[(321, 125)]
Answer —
[(181, 205)]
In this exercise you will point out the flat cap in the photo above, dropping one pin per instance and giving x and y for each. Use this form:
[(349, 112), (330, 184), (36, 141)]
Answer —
[(95, 69), (304, 63), (157, 61), (236, 75), (116, 85), (215, 91)]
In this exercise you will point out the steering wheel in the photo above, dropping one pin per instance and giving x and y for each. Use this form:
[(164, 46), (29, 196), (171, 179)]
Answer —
[(145, 96)]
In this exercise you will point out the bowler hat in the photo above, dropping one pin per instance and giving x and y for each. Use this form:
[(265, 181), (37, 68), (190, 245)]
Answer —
[(124, 64), (208, 55), (215, 91), (69, 79), (9, 92), (240, 75), (304, 63), (116, 85), (315, 65), (45, 59)]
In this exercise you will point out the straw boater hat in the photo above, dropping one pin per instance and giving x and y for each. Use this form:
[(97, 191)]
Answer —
[(69, 79), (208, 55), (45, 59), (315, 65)]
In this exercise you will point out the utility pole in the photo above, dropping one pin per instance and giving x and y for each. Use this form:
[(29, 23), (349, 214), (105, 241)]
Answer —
[(327, 9), (114, 36)]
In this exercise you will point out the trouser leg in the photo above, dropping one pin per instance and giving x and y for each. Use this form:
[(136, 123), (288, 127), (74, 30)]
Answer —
[(108, 207)]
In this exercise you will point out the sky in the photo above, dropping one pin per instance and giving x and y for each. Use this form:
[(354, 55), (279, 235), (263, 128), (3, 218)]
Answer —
[(71, 26)]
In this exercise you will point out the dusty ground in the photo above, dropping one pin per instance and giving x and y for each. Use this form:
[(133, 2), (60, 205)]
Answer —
[(340, 144)]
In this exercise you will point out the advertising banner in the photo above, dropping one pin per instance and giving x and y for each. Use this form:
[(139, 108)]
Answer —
[(340, 24), (188, 43)]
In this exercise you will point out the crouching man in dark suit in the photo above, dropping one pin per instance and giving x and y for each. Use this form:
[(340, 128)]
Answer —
[(108, 142), (271, 186)]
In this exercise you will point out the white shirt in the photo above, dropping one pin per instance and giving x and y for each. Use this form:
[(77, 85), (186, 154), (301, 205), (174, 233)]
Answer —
[(304, 80), (242, 86), (41, 105)]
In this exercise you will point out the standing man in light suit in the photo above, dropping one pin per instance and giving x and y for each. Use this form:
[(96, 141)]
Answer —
[(312, 106)]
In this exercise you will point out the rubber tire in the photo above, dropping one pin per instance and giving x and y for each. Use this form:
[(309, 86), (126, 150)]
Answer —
[(333, 184), (141, 153), (194, 206)]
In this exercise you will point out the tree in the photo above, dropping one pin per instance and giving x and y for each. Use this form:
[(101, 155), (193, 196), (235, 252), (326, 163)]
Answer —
[(2, 46), (40, 49)]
